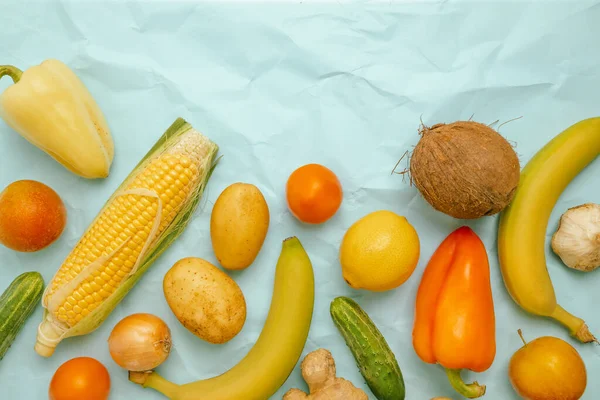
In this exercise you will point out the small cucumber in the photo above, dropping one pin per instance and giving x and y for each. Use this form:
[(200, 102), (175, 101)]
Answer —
[(16, 305), (373, 355)]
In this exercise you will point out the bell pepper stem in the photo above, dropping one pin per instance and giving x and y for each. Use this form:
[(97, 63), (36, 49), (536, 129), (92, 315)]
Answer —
[(14, 72), (470, 391)]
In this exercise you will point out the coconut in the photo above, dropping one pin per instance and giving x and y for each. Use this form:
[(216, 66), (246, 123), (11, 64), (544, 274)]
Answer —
[(465, 169)]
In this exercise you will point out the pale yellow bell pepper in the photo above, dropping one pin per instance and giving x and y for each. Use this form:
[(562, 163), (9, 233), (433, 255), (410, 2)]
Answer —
[(51, 108)]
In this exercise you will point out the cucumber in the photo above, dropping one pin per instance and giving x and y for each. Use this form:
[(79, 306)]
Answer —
[(16, 305), (373, 355)]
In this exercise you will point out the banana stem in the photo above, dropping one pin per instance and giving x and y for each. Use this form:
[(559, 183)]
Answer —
[(153, 380), (470, 391), (576, 326), (14, 72)]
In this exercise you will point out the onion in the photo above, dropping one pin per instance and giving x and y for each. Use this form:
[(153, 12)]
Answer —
[(140, 342)]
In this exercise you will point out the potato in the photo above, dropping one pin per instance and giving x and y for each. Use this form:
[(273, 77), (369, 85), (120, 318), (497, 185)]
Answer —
[(205, 300), (238, 225)]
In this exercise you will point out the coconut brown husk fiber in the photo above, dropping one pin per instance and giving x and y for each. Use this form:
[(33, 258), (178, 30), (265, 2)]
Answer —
[(465, 169)]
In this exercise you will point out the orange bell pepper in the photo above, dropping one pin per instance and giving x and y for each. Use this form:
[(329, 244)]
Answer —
[(454, 322)]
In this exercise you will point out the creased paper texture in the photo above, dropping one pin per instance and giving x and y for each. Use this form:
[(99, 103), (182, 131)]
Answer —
[(280, 85)]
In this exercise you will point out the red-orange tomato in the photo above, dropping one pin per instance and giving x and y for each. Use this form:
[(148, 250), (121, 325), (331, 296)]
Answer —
[(313, 193), (80, 378)]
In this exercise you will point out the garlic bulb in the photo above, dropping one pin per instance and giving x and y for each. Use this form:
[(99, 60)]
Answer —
[(577, 239)]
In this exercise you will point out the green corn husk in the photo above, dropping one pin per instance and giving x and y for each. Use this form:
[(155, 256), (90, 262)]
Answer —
[(50, 331)]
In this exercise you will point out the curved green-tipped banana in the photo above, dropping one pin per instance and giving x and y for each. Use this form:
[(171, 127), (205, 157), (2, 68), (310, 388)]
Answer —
[(269, 363), (522, 231)]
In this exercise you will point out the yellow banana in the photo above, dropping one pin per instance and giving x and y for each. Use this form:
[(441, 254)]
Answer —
[(522, 230), (277, 351)]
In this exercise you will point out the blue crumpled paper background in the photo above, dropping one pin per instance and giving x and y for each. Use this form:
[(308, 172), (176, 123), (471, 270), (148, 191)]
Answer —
[(281, 85)]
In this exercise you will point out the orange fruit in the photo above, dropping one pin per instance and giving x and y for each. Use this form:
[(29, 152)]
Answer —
[(32, 216), (313, 193)]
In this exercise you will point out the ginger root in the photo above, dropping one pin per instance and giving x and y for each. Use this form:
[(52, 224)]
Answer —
[(318, 371)]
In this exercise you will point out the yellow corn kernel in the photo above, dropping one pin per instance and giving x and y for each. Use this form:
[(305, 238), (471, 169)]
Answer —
[(149, 210), (94, 245)]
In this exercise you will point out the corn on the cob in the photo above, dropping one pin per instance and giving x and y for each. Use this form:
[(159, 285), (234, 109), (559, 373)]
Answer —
[(148, 211)]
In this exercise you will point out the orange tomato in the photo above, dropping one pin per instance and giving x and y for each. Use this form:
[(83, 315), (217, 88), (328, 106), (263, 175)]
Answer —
[(80, 378), (313, 193)]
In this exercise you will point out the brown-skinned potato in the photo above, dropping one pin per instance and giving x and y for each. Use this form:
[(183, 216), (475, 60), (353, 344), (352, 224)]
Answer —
[(238, 225), (205, 300)]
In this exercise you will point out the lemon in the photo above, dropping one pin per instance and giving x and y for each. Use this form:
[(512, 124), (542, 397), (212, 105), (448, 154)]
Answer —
[(379, 252)]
